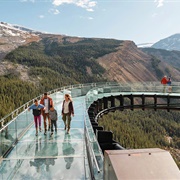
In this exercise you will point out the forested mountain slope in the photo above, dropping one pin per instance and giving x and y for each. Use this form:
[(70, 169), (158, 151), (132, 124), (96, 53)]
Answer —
[(170, 57), (55, 60), (145, 129)]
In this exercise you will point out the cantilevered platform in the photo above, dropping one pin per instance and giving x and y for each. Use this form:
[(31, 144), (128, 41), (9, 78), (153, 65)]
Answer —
[(63, 156)]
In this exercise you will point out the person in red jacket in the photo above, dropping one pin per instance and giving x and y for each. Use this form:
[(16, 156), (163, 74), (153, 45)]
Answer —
[(47, 102), (164, 81), (67, 111)]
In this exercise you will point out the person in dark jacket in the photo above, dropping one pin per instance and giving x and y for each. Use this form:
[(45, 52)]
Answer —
[(67, 112), (36, 107), (169, 84)]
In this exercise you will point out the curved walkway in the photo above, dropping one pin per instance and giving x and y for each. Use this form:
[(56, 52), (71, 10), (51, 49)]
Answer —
[(63, 156)]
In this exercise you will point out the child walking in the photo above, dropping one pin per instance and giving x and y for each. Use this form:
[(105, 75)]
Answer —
[(36, 107), (53, 117)]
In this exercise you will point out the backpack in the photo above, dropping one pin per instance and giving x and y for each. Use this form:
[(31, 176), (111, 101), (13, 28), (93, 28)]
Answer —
[(36, 112)]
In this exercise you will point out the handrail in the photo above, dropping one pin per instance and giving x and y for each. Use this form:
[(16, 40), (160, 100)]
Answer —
[(17, 111), (89, 140), (97, 166), (131, 85)]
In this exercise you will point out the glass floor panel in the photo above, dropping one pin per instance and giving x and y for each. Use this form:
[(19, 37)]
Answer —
[(67, 167)]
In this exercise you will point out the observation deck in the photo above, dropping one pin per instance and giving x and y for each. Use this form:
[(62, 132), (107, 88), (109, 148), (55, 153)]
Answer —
[(77, 155)]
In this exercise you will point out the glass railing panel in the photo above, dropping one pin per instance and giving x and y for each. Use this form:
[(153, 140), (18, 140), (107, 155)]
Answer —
[(91, 134), (59, 96), (96, 148), (99, 175), (53, 96), (30, 117), (21, 123), (8, 137)]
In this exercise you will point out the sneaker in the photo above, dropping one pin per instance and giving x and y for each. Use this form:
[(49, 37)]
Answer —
[(51, 133)]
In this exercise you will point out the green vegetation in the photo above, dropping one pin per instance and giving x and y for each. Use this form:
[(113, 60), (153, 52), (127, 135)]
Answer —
[(155, 65), (145, 129), (52, 64), (68, 60), (14, 93), (170, 57)]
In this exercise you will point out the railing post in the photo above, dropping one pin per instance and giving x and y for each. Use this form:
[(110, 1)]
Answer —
[(168, 102), (132, 102), (143, 101), (112, 99), (105, 102), (121, 98), (155, 102)]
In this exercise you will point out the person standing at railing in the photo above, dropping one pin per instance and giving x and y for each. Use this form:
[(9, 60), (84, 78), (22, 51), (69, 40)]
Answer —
[(47, 102), (36, 107), (67, 111), (169, 84), (164, 81)]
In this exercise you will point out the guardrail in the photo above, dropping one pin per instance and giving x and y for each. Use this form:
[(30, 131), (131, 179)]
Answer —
[(107, 87), (22, 108)]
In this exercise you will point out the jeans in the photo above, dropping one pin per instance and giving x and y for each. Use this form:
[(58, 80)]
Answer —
[(53, 123)]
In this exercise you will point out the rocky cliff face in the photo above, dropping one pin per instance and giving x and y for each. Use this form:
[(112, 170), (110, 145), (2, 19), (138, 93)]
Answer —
[(11, 38), (130, 64)]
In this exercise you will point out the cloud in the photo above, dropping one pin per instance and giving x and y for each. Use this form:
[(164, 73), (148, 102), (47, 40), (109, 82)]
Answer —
[(90, 18), (86, 4), (84, 17), (159, 3), (41, 16), (54, 11)]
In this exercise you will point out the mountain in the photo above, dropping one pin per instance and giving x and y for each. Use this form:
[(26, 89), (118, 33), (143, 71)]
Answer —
[(169, 43), (170, 57), (93, 59), (12, 37)]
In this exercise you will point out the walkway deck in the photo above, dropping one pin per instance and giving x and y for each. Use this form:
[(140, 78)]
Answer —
[(43, 157)]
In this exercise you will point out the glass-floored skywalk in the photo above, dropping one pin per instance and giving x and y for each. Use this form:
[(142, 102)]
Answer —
[(63, 156)]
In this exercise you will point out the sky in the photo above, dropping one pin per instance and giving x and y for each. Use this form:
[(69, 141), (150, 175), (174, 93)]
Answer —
[(141, 21)]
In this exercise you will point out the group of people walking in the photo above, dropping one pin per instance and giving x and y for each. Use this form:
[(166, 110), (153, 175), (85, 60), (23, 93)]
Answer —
[(166, 81), (46, 108)]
